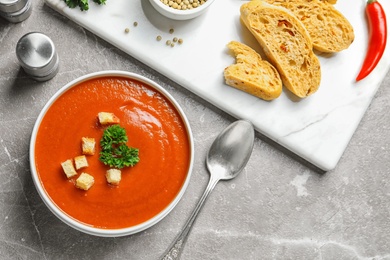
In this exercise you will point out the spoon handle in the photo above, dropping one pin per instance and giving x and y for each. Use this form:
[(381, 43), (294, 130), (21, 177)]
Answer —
[(176, 248)]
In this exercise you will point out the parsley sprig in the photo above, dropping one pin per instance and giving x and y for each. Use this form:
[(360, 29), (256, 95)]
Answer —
[(114, 151), (83, 4)]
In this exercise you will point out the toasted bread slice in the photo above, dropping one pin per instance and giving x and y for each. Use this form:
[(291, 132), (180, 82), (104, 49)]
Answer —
[(286, 43), (329, 30), (333, 2), (252, 74)]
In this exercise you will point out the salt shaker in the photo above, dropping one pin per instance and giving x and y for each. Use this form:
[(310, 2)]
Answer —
[(15, 11), (37, 55)]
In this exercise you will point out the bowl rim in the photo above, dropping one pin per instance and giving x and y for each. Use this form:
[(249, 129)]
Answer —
[(183, 13), (72, 222)]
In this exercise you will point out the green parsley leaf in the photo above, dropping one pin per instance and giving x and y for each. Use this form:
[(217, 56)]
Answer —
[(100, 2), (83, 4), (72, 3), (114, 151)]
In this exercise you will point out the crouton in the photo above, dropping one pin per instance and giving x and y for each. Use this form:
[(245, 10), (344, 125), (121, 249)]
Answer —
[(68, 168), (80, 162), (88, 145), (113, 176), (106, 118), (85, 181)]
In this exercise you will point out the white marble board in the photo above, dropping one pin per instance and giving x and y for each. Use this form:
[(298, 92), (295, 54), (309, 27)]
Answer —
[(317, 128)]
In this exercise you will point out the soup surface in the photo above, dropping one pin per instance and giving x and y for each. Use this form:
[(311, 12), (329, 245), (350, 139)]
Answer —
[(153, 126)]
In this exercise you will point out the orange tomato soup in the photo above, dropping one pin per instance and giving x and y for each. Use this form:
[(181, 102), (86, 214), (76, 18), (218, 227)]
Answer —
[(153, 126)]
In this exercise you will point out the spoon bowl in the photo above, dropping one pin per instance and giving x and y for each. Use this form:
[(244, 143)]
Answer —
[(227, 157), (229, 154)]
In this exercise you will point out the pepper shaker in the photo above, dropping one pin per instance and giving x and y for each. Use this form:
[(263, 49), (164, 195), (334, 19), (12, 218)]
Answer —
[(37, 55), (15, 11)]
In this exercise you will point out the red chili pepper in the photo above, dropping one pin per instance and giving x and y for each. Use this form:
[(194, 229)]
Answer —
[(377, 27)]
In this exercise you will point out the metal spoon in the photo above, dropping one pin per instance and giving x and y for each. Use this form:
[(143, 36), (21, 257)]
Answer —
[(227, 156)]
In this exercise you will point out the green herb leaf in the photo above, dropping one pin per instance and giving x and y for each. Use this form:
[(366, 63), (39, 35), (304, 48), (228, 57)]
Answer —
[(114, 151), (129, 155), (83, 4), (72, 3), (100, 2)]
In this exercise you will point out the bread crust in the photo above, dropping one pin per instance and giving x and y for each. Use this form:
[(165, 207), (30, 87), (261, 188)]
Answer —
[(329, 30), (333, 2), (252, 74), (286, 43)]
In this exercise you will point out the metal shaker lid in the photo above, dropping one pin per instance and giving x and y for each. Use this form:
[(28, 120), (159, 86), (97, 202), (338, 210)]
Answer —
[(12, 6), (18, 16), (37, 55)]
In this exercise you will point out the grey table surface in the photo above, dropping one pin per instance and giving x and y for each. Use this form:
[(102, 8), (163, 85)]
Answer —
[(278, 208)]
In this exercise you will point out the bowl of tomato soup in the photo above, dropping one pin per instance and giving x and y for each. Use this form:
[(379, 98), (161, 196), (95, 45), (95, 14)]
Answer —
[(155, 125)]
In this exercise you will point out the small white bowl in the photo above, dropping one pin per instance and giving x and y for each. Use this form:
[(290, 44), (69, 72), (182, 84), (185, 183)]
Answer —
[(69, 220), (176, 14)]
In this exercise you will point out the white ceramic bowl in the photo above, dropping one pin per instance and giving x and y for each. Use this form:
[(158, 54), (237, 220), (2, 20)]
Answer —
[(102, 232), (180, 14)]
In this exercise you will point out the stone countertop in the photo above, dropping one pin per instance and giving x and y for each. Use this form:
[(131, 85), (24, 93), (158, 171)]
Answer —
[(278, 208)]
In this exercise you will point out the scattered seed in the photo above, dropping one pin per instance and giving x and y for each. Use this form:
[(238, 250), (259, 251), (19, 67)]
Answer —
[(135, 24), (171, 42), (127, 30)]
